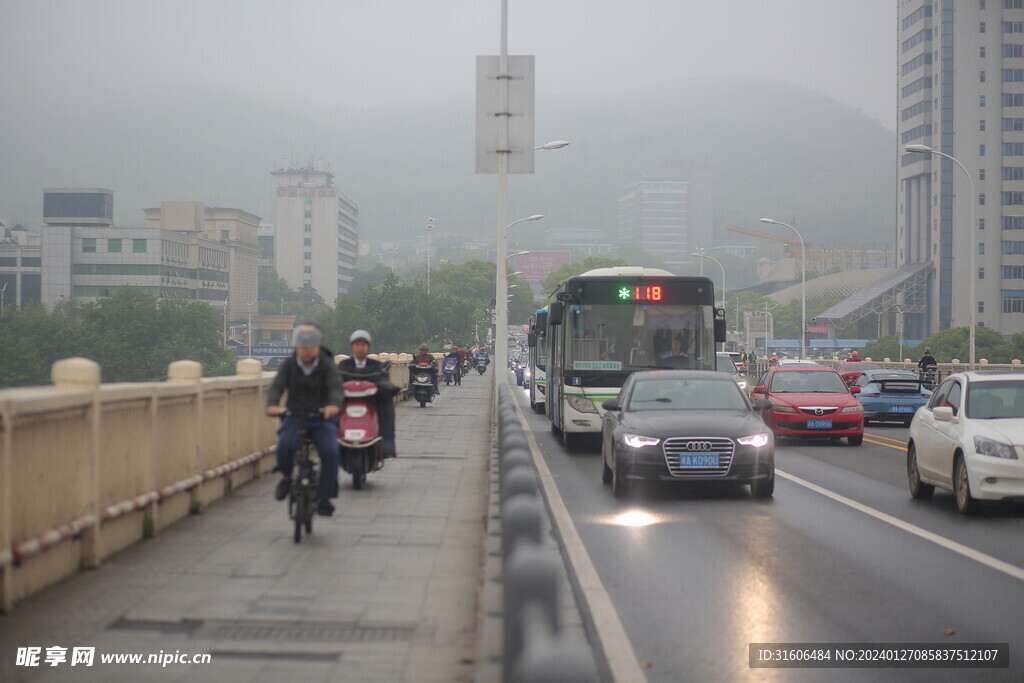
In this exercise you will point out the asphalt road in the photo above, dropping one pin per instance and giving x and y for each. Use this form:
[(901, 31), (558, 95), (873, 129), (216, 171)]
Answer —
[(841, 554)]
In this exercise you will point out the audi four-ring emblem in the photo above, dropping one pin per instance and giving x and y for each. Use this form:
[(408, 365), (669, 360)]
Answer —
[(699, 445)]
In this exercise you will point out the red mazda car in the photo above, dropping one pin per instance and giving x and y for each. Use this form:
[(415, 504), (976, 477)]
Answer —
[(851, 370), (808, 402)]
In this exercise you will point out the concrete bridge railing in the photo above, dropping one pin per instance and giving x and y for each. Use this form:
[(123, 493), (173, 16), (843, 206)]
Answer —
[(87, 469)]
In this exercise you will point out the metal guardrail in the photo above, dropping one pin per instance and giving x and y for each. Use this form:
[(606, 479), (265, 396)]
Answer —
[(535, 650)]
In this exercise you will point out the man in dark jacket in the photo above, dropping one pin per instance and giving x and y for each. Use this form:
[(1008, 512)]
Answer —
[(359, 366), (312, 382), (424, 357)]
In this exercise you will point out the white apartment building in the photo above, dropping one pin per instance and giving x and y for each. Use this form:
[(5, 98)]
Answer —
[(961, 92), (231, 227), (316, 229), (86, 258)]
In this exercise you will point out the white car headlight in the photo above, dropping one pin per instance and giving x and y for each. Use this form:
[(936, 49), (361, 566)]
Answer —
[(638, 441), (742, 384), (755, 440), (853, 409), (581, 404), (996, 449)]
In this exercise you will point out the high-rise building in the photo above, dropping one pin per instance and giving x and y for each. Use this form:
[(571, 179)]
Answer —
[(234, 228), (961, 92), (316, 229), (668, 217), (20, 267)]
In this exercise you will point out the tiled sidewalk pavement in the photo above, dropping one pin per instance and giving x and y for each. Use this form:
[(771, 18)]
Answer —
[(386, 590)]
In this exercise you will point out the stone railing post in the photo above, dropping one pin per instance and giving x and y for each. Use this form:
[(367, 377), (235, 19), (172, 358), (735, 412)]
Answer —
[(82, 374), (191, 372), (251, 368)]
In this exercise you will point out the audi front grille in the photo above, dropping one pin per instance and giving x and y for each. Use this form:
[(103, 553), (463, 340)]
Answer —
[(680, 445)]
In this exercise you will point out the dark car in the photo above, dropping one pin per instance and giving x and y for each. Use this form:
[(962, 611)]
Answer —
[(685, 425)]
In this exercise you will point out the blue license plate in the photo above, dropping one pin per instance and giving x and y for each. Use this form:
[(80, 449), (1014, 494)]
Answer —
[(901, 409), (819, 424), (698, 460)]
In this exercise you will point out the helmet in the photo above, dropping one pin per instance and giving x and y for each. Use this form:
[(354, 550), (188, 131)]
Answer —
[(853, 355), (360, 335), (423, 347), (927, 349), (307, 334)]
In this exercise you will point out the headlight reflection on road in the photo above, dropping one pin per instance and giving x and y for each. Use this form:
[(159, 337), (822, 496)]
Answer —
[(634, 518)]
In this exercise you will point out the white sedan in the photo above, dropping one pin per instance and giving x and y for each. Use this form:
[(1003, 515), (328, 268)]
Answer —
[(969, 439)]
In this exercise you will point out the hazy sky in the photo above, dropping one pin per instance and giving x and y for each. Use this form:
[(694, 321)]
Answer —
[(360, 53)]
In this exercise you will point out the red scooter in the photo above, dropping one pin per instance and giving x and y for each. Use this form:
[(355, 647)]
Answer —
[(359, 437)]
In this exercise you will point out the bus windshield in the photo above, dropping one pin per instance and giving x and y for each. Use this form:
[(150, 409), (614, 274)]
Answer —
[(612, 337)]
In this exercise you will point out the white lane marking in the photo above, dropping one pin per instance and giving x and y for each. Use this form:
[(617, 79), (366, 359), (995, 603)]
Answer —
[(618, 650), (1010, 570)]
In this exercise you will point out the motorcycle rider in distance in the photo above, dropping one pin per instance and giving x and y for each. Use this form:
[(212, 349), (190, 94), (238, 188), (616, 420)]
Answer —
[(926, 360), (359, 366), (312, 382), (424, 357), (854, 358)]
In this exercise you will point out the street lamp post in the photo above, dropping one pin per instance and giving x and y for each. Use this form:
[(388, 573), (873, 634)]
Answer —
[(3, 291), (501, 292), (700, 255), (973, 248), (899, 329), (226, 297), (803, 284), (250, 305), (430, 225)]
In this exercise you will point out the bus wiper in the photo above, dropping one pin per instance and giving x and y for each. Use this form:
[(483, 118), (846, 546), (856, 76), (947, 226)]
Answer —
[(651, 400)]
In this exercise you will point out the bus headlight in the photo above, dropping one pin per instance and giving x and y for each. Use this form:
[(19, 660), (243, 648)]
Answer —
[(581, 404)]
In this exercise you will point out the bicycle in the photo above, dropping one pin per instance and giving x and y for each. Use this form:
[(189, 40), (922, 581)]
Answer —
[(305, 477)]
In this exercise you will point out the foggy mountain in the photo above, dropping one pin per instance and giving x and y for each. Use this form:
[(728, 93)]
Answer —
[(775, 150)]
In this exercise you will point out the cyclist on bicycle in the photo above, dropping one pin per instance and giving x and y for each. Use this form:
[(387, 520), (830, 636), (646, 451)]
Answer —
[(311, 379)]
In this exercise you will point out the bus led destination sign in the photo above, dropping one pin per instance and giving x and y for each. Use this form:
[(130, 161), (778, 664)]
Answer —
[(641, 293)]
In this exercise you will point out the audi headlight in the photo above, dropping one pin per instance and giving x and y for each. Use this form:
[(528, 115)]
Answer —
[(638, 441), (996, 449), (783, 409), (581, 404), (853, 409), (755, 440)]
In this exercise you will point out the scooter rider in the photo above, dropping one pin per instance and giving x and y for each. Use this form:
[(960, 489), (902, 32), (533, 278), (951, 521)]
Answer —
[(312, 382), (926, 360), (361, 367), (424, 357)]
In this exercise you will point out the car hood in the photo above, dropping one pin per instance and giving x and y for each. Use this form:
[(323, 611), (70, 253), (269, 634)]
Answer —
[(1007, 430), (666, 423), (838, 399)]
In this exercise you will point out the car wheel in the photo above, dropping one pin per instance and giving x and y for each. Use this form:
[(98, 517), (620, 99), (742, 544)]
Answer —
[(764, 488), (606, 472), (965, 502), (620, 488), (856, 440), (918, 489)]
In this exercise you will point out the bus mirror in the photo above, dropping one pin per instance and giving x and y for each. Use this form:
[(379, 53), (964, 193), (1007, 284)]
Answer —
[(531, 340), (719, 330), (555, 311)]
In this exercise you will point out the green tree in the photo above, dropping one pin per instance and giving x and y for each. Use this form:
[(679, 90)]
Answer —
[(955, 343), (366, 279), (567, 270), (134, 337), (273, 292), (33, 340), (886, 347)]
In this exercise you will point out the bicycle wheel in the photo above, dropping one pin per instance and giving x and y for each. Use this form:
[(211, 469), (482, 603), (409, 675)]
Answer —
[(300, 514)]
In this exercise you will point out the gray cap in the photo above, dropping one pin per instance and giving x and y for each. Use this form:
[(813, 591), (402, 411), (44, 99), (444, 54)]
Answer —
[(360, 335), (307, 335)]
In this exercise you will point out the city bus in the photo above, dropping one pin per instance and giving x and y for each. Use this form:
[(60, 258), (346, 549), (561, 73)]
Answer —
[(537, 342), (609, 322)]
